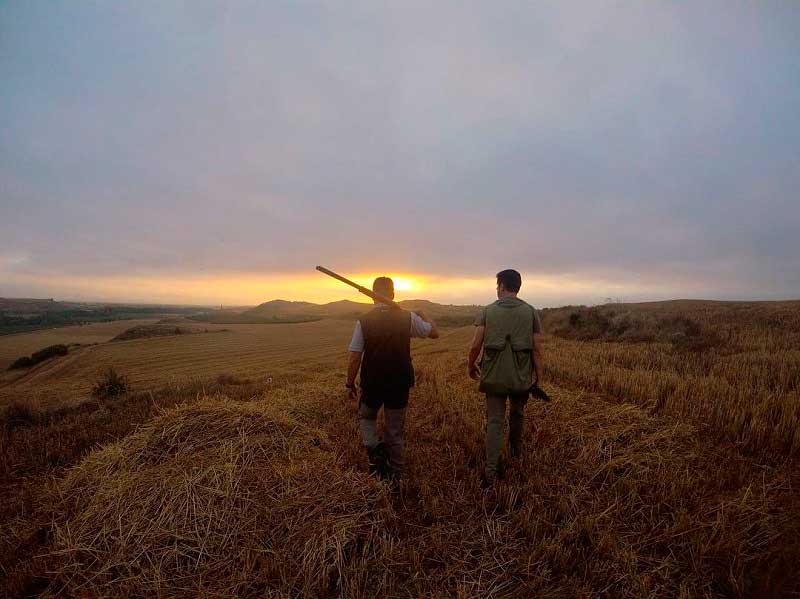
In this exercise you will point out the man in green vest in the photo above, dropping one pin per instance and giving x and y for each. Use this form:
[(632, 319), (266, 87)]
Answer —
[(508, 332)]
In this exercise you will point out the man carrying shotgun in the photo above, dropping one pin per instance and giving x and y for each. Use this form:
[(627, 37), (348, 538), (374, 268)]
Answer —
[(508, 332), (381, 348)]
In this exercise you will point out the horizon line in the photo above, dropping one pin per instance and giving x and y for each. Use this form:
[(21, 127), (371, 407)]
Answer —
[(277, 299)]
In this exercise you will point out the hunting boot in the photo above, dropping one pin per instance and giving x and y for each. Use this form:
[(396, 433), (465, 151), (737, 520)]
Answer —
[(378, 458), (488, 481)]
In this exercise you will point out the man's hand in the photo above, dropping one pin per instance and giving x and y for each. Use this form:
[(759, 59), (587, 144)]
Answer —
[(434, 334), (474, 352), (474, 371), (353, 364)]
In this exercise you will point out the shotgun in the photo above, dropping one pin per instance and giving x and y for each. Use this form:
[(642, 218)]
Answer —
[(368, 292)]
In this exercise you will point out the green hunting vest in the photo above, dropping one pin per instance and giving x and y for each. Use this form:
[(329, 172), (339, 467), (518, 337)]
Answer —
[(507, 347)]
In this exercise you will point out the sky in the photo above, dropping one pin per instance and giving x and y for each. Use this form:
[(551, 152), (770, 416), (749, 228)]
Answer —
[(215, 152)]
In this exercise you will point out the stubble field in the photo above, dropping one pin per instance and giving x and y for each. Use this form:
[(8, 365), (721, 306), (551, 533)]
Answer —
[(655, 471), (247, 351), (21, 344)]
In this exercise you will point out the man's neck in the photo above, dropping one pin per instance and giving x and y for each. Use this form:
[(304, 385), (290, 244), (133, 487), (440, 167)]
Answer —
[(507, 294)]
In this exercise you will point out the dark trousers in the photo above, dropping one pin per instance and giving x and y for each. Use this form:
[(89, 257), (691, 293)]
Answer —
[(394, 404)]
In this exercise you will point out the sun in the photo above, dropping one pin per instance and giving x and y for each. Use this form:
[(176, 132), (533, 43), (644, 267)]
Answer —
[(403, 284)]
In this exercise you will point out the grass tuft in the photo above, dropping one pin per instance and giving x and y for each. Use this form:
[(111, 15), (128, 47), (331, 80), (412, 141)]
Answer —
[(22, 412), (110, 384)]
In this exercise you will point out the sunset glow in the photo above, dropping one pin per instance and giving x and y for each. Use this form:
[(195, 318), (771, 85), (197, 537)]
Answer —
[(222, 150), (402, 284), (254, 288)]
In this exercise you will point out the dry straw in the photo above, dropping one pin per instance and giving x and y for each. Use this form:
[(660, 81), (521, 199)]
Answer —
[(654, 472), (216, 498)]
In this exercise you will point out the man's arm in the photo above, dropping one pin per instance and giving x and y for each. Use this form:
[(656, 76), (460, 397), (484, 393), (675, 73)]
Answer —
[(474, 352), (537, 357), (354, 362), (537, 347), (434, 331), (353, 365)]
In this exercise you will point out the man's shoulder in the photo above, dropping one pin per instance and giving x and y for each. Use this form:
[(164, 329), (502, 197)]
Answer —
[(382, 311), (522, 302), (498, 303), (509, 302), (375, 310), (385, 308)]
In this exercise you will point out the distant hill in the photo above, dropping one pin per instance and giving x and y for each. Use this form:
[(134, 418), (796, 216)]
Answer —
[(20, 315), (284, 311), (23, 305), (462, 315), (345, 308), (279, 306)]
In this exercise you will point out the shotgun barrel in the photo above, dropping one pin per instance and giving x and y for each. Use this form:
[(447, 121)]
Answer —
[(368, 292)]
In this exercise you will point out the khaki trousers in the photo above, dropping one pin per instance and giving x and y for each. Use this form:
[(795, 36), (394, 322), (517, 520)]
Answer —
[(495, 417)]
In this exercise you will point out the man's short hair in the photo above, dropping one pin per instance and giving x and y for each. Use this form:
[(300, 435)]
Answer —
[(384, 286), (510, 279)]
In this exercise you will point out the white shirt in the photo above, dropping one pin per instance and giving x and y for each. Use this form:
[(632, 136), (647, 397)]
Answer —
[(419, 328)]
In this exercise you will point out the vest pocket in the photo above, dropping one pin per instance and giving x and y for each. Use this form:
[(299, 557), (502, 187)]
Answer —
[(505, 371)]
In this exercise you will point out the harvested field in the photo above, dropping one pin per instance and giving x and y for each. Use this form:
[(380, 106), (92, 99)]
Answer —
[(23, 344), (746, 385), (218, 497), (164, 328), (279, 351), (620, 491)]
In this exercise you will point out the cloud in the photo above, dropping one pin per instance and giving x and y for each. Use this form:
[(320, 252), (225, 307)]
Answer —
[(9, 262), (656, 147)]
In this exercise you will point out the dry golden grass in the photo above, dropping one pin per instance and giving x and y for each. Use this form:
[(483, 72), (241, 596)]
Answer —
[(219, 498), (747, 386), (23, 344), (249, 489), (279, 351)]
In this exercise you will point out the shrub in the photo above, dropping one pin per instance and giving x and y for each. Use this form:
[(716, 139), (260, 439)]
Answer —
[(590, 324), (48, 352), (23, 362), (111, 384), (22, 412), (584, 324)]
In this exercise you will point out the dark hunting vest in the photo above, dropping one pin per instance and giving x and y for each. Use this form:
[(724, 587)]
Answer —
[(386, 365)]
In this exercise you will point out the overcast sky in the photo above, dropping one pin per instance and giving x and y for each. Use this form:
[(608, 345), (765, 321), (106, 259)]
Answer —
[(213, 152)]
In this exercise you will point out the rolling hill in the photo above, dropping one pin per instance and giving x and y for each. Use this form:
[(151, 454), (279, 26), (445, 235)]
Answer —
[(285, 311)]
